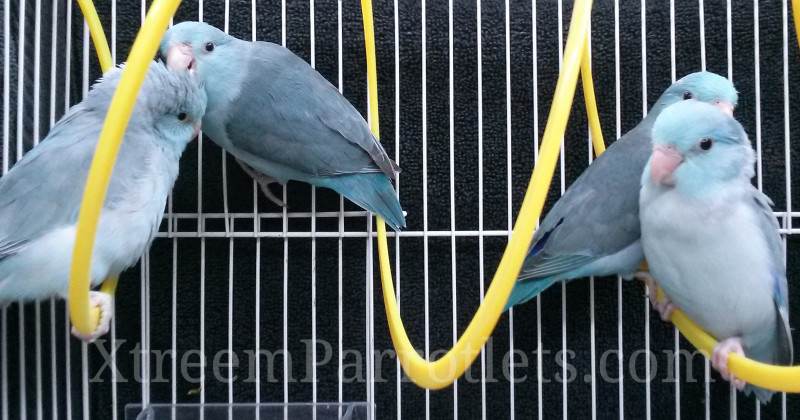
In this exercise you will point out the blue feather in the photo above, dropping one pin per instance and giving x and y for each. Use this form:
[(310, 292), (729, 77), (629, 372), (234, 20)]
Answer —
[(373, 192), (539, 245), (528, 289)]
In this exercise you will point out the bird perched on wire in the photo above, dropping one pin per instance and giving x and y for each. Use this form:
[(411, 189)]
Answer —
[(282, 120), (711, 239), (593, 229), (41, 195)]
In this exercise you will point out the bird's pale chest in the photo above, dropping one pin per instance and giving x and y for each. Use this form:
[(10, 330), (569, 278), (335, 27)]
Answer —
[(710, 259)]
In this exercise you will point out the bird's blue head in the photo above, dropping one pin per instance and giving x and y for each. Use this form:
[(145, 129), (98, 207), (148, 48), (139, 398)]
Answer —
[(170, 102), (200, 48), (702, 86), (698, 148)]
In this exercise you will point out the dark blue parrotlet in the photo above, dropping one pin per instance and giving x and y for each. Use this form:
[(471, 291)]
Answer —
[(593, 229)]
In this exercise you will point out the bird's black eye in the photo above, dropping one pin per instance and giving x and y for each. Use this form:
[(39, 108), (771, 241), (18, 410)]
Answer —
[(182, 116), (687, 95), (706, 143), (209, 46)]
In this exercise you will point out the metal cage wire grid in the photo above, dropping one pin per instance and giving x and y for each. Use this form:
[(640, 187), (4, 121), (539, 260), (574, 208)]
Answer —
[(220, 223)]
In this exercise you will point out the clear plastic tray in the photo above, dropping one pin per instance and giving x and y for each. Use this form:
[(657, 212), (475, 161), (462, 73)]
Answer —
[(245, 411)]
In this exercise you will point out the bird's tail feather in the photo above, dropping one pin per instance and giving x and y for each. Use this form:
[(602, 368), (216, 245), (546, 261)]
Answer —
[(763, 395), (528, 289), (373, 192)]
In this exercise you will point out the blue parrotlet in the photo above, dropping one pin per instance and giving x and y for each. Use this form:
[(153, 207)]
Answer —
[(593, 229), (41, 195), (282, 120)]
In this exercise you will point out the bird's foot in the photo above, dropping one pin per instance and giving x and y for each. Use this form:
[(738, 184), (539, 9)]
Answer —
[(105, 303), (264, 186), (664, 307), (719, 359), (263, 182), (650, 283)]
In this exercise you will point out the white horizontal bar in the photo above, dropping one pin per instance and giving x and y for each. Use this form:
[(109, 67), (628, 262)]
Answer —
[(781, 215), (333, 234), (201, 231)]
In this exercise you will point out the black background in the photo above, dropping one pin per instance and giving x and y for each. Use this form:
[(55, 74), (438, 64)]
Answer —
[(216, 270)]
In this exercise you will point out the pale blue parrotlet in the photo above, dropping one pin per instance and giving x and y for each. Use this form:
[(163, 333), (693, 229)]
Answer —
[(711, 239), (41, 195)]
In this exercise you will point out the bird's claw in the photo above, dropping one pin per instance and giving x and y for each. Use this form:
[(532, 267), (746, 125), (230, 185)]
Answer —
[(650, 283), (719, 359), (664, 307), (264, 186), (103, 302), (263, 182)]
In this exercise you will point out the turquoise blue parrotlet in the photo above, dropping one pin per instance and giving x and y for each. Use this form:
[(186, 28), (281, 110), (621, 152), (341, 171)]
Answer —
[(282, 120)]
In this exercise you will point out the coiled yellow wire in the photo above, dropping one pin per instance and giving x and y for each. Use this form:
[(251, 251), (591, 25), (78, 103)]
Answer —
[(104, 58), (119, 112), (442, 372), (97, 34)]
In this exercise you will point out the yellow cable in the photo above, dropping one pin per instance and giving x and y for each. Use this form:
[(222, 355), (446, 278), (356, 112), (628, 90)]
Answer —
[(104, 58), (591, 103), (119, 112), (98, 36), (442, 372), (796, 16), (110, 285), (372, 70), (777, 378)]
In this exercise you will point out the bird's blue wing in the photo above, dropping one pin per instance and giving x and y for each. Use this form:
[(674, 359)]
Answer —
[(769, 227), (598, 215), (553, 265), (43, 190), (291, 115), (11, 248)]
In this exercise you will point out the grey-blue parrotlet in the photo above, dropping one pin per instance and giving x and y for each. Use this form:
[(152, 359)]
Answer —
[(40, 196), (593, 229), (711, 239), (283, 120)]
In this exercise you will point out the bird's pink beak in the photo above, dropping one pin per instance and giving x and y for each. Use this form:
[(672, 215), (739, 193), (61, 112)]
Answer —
[(663, 163), (197, 128), (180, 57), (726, 107)]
